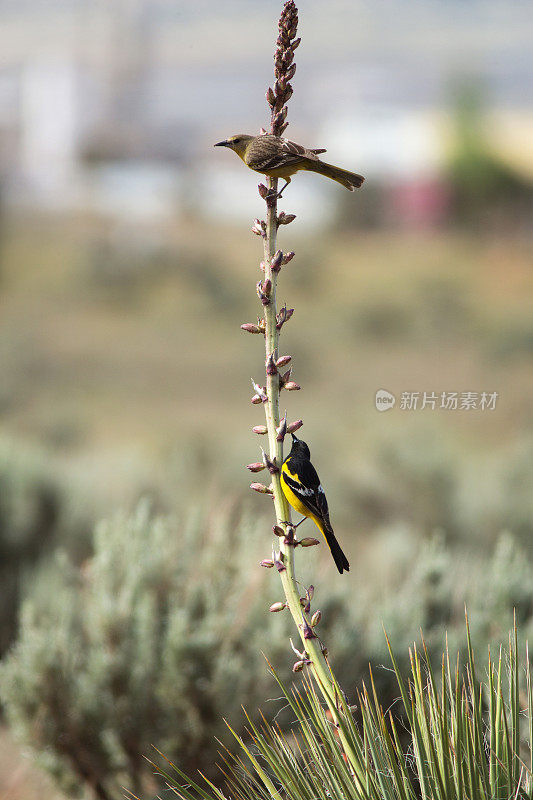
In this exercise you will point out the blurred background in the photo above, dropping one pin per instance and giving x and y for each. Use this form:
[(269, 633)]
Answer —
[(126, 267)]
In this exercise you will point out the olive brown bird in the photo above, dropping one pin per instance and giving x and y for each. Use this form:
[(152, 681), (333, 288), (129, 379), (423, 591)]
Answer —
[(280, 158), (302, 488)]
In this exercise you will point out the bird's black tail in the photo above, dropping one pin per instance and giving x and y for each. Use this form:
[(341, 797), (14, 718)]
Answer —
[(338, 556)]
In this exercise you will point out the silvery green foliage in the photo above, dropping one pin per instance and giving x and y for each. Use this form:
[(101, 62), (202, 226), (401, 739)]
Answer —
[(156, 638), (37, 509)]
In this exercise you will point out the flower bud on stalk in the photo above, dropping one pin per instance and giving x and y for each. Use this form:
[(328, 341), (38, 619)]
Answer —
[(287, 257), (276, 262), (294, 426), (308, 631), (277, 607), (261, 488), (261, 430), (249, 327), (271, 368), (257, 466), (315, 619), (270, 465)]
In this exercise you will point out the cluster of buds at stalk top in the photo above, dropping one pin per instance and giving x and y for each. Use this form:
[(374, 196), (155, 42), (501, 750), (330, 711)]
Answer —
[(286, 44), (283, 316)]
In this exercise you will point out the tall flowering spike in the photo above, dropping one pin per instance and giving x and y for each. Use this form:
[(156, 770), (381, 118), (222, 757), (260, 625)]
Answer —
[(284, 67)]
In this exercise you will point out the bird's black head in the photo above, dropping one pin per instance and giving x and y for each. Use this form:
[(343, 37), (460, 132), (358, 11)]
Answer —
[(299, 448)]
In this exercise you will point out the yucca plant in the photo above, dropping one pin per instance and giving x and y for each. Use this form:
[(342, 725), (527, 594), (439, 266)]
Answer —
[(449, 737)]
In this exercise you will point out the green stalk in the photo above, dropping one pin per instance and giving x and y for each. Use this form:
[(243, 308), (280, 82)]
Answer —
[(281, 506)]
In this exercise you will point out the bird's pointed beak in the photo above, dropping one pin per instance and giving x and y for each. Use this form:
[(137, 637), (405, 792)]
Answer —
[(224, 143), (295, 438)]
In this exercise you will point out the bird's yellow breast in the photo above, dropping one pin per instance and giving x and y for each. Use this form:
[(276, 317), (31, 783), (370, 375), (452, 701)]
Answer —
[(293, 498)]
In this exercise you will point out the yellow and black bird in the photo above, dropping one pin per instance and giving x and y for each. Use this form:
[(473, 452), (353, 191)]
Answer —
[(302, 488), (280, 158)]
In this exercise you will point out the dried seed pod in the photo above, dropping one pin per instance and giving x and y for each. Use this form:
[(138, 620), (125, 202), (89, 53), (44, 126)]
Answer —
[(260, 429), (292, 386), (278, 530), (267, 562), (283, 361), (277, 607), (263, 191), (310, 592), (298, 666), (309, 542)]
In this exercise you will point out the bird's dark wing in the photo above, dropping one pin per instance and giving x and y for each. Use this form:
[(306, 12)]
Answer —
[(271, 152)]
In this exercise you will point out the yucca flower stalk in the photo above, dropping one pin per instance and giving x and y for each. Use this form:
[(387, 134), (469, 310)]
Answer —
[(314, 654)]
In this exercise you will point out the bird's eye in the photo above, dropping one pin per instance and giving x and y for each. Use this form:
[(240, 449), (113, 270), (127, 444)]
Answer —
[(236, 140)]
